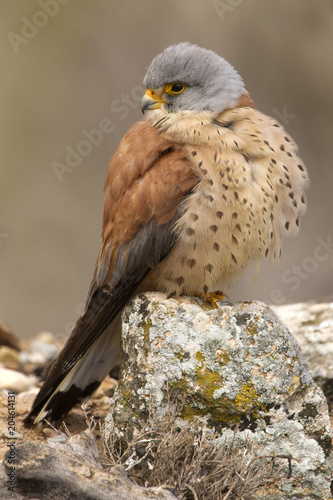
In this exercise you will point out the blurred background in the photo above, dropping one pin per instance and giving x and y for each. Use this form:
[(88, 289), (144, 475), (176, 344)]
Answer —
[(69, 67)]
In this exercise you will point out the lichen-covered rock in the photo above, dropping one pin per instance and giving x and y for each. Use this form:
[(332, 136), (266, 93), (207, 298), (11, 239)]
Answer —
[(312, 325), (236, 367)]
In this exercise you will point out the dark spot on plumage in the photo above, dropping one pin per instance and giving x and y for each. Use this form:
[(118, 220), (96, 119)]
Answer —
[(234, 258), (244, 201), (226, 187), (301, 167), (295, 203), (287, 224), (235, 215), (191, 263), (210, 182), (237, 226), (224, 197), (204, 171), (291, 195), (194, 153), (216, 247), (209, 268), (273, 161), (190, 231), (172, 294), (180, 281), (221, 173), (200, 163), (289, 154), (303, 199), (287, 138), (213, 228), (236, 195), (234, 240), (236, 144), (266, 252), (288, 185), (209, 197), (297, 222), (276, 125), (205, 289), (281, 182), (282, 148), (219, 214)]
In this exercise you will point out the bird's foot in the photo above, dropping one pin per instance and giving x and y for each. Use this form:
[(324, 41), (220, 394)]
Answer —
[(214, 297)]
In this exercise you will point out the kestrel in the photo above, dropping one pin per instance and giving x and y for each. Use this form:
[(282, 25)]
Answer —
[(202, 187)]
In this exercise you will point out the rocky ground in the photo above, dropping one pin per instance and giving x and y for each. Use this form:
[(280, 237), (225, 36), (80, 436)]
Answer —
[(22, 366), (24, 363)]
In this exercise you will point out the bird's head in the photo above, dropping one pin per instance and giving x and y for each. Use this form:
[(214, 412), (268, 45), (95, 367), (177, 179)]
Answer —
[(187, 77)]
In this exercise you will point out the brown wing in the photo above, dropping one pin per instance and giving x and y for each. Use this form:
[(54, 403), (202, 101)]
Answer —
[(147, 179)]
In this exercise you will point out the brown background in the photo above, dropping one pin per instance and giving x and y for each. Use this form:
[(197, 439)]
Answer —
[(68, 74)]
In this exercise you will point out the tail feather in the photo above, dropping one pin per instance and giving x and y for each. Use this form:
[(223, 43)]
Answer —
[(90, 353)]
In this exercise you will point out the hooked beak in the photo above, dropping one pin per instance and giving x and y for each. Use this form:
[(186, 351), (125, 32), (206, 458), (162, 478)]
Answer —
[(152, 100)]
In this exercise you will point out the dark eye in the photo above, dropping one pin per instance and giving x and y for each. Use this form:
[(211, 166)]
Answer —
[(177, 87), (174, 88)]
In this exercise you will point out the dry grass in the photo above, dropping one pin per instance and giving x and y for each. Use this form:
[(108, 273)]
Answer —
[(185, 460)]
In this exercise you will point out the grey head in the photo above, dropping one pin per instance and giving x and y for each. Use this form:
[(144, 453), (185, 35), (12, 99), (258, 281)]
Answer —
[(204, 80)]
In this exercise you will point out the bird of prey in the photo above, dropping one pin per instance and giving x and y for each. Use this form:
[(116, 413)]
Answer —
[(199, 189)]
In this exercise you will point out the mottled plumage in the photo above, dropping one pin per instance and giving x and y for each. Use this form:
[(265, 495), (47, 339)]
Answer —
[(203, 187)]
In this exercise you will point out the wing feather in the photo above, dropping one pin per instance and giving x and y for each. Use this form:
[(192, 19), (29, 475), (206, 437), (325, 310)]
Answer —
[(148, 177)]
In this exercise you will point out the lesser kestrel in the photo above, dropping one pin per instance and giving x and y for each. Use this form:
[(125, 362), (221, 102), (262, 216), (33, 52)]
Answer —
[(202, 187)]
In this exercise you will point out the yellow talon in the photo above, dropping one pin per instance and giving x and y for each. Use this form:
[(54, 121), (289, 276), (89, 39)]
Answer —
[(214, 297)]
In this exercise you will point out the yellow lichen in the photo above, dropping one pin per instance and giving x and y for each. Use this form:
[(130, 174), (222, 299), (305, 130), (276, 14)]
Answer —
[(247, 400)]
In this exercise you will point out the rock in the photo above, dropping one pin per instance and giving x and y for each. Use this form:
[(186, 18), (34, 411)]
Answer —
[(71, 470), (45, 337), (14, 381), (9, 357), (312, 325), (7, 337), (9, 434), (46, 350), (236, 369)]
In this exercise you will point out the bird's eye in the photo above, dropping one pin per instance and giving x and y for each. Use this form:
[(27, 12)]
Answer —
[(174, 88)]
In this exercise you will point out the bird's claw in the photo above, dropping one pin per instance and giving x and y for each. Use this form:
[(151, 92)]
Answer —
[(214, 297)]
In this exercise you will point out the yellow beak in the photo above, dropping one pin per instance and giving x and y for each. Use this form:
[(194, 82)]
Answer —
[(152, 100)]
